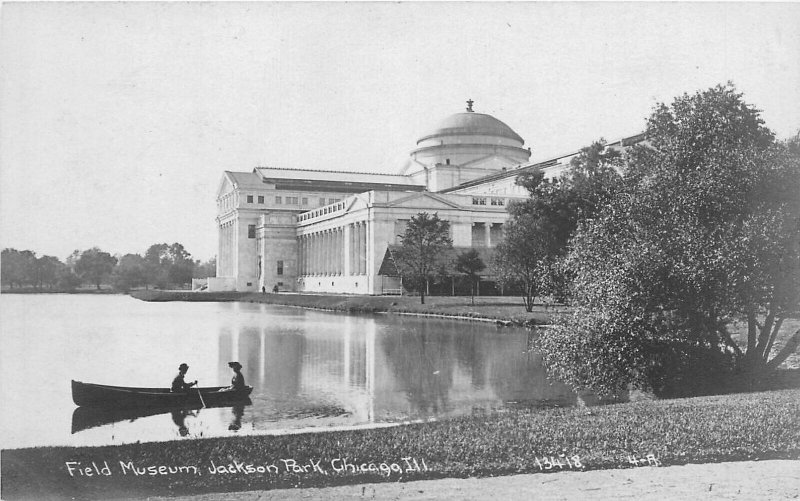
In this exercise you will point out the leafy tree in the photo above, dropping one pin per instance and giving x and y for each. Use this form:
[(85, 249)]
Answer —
[(543, 224), (470, 264), (94, 265), (705, 231), (68, 280), (518, 257), (168, 264), (419, 256), (130, 272), (206, 269), (12, 268), (49, 269)]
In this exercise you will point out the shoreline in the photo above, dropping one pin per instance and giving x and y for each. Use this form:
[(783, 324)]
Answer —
[(636, 435), (501, 310)]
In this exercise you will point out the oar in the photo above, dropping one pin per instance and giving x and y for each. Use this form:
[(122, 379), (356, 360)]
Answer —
[(200, 394)]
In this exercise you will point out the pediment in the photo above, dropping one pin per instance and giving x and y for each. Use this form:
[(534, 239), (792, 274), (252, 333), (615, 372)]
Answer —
[(425, 200), (225, 185), (356, 202)]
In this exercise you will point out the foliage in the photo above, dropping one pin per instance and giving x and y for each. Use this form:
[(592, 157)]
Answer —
[(206, 269), (130, 272), (168, 264), (704, 231), (470, 264), (518, 257), (94, 265), (540, 227), (24, 268), (419, 257)]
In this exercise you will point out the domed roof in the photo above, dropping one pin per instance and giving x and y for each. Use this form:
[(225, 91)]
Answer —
[(471, 124)]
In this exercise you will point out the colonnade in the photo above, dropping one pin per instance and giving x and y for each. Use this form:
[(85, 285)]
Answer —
[(227, 248), (334, 251), (486, 239)]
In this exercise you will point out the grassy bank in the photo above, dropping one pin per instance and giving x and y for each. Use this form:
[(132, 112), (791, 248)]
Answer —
[(706, 429), (507, 309)]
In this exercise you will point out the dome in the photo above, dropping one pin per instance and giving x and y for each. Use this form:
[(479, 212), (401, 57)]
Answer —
[(471, 124)]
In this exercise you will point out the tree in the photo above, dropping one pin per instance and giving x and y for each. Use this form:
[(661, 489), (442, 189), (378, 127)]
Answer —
[(704, 232), (470, 264), (12, 268), (168, 264), (540, 227), (49, 269), (421, 250), (206, 269), (94, 265), (130, 272), (518, 257)]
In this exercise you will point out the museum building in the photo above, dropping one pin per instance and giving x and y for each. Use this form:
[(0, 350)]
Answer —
[(329, 231)]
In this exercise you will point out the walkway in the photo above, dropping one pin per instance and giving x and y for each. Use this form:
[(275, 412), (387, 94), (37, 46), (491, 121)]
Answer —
[(769, 480)]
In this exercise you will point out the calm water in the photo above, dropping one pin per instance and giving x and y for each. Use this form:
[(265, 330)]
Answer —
[(309, 369)]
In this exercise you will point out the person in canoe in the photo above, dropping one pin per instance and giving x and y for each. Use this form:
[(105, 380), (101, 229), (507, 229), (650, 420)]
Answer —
[(237, 383), (178, 384)]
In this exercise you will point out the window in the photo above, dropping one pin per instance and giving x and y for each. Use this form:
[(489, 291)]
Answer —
[(322, 201), (478, 201), (280, 267), (305, 201), (291, 200), (498, 201), (278, 200), (251, 231), (333, 200), (447, 160), (249, 199), (261, 199)]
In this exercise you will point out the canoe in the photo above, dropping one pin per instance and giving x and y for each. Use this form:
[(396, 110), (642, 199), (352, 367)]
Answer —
[(84, 417), (100, 395)]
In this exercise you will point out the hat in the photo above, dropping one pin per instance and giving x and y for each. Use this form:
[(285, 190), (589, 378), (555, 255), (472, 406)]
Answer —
[(234, 365), (183, 366)]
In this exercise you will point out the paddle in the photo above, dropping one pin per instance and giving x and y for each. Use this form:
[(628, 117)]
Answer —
[(200, 394)]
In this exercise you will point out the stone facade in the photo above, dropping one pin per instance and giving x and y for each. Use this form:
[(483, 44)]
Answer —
[(324, 231)]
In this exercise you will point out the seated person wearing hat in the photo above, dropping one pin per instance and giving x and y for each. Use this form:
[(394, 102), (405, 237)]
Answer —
[(178, 384), (237, 383)]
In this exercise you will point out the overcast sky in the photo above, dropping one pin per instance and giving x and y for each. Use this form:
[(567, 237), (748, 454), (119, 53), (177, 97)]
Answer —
[(117, 120)]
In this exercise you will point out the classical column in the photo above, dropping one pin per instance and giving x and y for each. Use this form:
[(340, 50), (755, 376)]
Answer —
[(347, 269), (364, 229), (315, 253), (328, 253), (338, 252), (488, 235)]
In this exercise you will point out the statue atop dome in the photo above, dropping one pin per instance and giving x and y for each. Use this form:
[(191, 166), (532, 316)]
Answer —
[(469, 105)]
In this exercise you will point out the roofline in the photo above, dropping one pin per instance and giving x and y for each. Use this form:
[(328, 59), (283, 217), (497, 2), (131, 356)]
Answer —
[(464, 145), (259, 168), (625, 141)]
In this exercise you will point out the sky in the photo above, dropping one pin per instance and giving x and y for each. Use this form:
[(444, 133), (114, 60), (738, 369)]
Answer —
[(117, 120)]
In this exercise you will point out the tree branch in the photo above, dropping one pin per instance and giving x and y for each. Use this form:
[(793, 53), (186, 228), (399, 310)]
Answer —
[(787, 350), (772, 337)]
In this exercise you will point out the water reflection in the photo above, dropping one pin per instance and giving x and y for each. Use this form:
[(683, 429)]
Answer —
[(361, 371), (308, 368), (85, 418), (179, 418)]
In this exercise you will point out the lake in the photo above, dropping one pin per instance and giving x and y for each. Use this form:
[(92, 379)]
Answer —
[(309, 369)]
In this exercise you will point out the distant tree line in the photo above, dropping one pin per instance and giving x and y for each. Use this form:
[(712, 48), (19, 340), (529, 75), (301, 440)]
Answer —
[(162, 266)]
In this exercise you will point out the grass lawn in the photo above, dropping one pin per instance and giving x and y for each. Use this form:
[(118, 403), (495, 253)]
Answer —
[(642, 434)]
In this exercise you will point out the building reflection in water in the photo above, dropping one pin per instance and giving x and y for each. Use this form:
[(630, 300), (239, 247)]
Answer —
[(364, 369)]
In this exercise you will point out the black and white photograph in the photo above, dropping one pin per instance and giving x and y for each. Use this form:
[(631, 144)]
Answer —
[(399, 250)]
